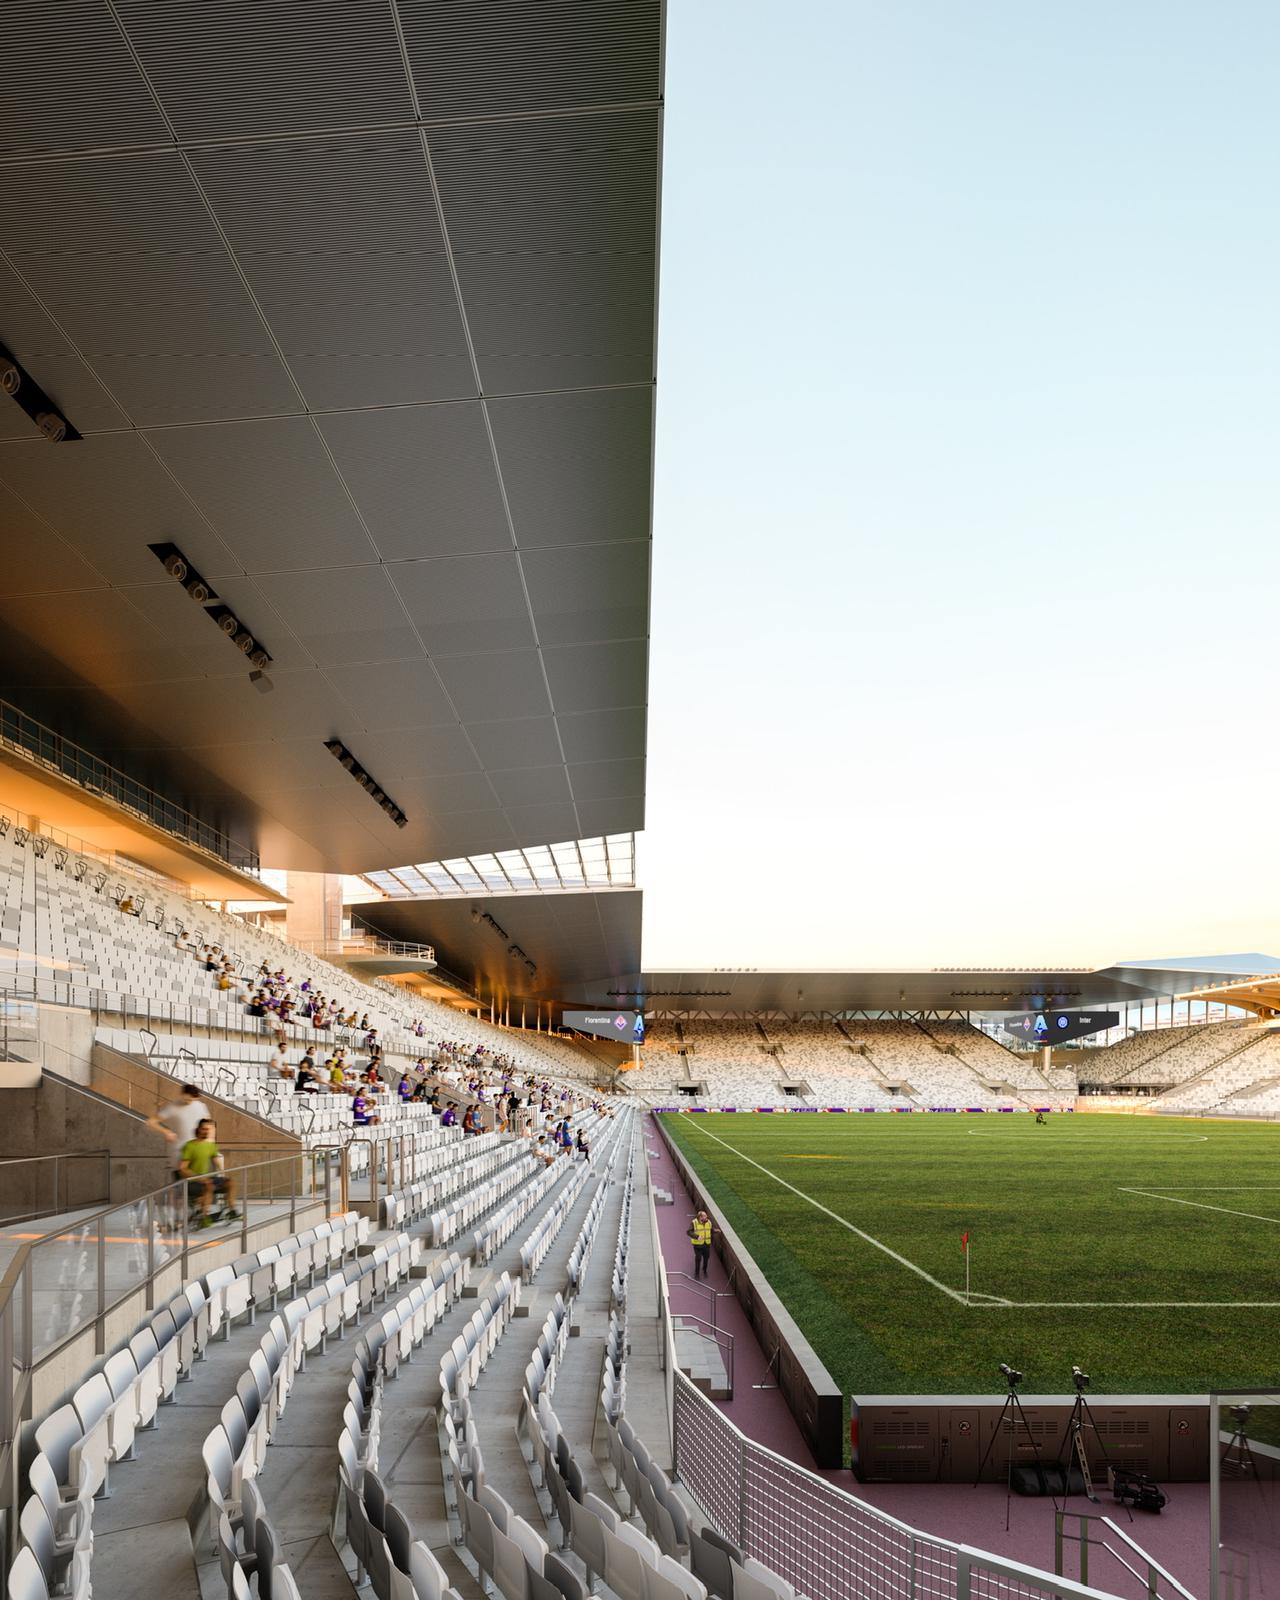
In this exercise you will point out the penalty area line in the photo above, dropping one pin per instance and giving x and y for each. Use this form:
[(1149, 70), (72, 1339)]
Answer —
[(902, 1261), (1131, 1305), (1198, 1205)]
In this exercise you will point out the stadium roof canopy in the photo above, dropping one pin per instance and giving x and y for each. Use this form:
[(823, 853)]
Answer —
[(934, 989), (608, 863), (524, 947), (353, 303)]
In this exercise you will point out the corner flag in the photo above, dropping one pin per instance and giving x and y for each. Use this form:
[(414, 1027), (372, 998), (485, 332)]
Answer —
[(964, 1245)]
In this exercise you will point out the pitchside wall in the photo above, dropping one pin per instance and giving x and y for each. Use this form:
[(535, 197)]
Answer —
[(809, 1389)]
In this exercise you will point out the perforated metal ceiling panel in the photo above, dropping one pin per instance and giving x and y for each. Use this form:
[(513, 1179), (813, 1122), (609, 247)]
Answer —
[(577, 941), (352, 300)]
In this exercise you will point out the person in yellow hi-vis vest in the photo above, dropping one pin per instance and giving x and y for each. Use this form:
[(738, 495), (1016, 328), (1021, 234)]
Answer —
[(700, 1234)]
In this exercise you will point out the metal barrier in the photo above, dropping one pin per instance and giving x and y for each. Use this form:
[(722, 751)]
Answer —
[(47, 748), (1117, 1544), (830, 1545), (695, 1286), (42, 1186)]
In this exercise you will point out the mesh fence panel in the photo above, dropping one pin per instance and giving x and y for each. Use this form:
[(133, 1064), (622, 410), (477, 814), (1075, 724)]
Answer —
[(824, 1542), (711, 1456)]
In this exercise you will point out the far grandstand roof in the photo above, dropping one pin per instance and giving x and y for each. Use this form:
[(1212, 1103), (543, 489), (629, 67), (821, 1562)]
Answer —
[(356, 313), (1260, 994), (932, 989)]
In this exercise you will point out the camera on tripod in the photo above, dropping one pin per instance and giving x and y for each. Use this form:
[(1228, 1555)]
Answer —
[(1136, 1489), (1011, 1375), (1080, 1379), (1241, 1415)]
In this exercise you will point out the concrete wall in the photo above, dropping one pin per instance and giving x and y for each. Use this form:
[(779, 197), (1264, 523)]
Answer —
[(66, 1038), (816, 1402), (58, 1118)]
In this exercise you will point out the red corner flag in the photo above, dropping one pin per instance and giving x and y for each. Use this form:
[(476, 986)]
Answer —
[(964, 1242)]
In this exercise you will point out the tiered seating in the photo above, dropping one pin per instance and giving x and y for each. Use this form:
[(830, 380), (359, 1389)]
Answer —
[(1257, 1063), (568, 1059), (863, 1064), (1166, 1055), (67, 938), (991, 1061), (78, 1443), (234, 1450), (377, 1529), (650, 1547), (1257, 1100)]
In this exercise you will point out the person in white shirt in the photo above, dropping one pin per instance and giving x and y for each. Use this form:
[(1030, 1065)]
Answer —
[(179, 1120)]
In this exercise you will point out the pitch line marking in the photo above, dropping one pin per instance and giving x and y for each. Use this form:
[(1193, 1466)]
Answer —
[(1133, 1305), (1198, 1205), (844, 1223), (993, 1133), (996, 1302)]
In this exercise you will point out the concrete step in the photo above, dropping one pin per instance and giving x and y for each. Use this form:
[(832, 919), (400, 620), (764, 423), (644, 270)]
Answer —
[(701, 1359)]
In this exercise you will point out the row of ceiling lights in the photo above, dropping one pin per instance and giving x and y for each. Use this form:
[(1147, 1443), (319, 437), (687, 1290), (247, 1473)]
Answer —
[(202, 592), (23, 390), (336, 748), (513, 950)]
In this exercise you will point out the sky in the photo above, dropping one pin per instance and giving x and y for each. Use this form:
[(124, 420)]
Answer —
[(965, 599)]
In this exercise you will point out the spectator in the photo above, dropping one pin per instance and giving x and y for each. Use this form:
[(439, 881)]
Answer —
[(201, 1164), (179, 1120)]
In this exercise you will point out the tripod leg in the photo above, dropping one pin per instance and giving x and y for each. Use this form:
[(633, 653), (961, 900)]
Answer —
[(986, 1454), (1031, 1440), (1087, 1416)]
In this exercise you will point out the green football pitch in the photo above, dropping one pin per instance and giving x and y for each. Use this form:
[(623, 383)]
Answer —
[(1144, 1249)]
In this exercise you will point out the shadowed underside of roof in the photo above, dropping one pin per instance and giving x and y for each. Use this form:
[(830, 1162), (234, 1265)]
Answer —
[(354, 303)]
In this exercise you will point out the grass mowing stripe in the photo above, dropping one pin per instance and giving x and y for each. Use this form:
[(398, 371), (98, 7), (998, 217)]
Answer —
[(835, 1217), (1150, 1298)]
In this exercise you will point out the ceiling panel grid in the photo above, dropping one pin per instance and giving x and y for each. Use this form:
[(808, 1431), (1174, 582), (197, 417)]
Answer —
[(354, 301)]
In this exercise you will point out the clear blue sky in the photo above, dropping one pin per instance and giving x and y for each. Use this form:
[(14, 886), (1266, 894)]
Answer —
[(967, 532)]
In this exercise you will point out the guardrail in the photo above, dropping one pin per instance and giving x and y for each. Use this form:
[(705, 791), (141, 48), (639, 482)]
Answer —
[(1126, 1551), (53, 1184), (47, 748), (824, 1541), (67, 1283)]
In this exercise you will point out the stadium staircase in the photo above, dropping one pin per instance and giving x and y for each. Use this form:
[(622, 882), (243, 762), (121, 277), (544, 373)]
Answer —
[(1259, 1086), (952, 1052), (1257, 1037), (862, 1050), (1143, 1065)]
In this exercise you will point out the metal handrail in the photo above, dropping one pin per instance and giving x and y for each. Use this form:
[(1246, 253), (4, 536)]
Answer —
[(60, 1205), (713, 1333), (1150, 1579), (690, 1282)]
